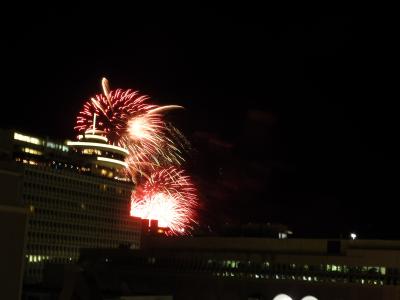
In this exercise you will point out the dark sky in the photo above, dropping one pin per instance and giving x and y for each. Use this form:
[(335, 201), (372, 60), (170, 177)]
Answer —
[(293, 118)]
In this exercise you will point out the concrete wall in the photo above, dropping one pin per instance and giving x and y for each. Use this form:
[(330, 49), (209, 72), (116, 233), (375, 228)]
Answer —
[(11, 185), (13, 227)]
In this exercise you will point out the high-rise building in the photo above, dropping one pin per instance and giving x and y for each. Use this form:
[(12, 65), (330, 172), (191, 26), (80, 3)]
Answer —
[(76, 194)]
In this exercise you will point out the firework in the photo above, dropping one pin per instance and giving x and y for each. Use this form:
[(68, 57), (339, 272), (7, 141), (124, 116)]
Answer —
[(169, 197), (128, 121), (113, 110), (163, 192)]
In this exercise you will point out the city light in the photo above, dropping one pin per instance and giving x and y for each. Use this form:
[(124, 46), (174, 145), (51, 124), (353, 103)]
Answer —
[(27, 139), (32, 151), (99, 145), (114, 161), (96, 137), (353, 236)]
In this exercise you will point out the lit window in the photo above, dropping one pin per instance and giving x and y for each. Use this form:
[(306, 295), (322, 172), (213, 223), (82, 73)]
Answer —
[(51, 145), (91, 151), (282, 235), (32, 151), (28, 139)]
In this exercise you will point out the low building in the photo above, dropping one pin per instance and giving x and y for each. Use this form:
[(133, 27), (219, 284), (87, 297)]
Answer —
[(249, 268)]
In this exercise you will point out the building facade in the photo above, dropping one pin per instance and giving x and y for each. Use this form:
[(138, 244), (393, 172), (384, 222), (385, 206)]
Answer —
[(75, 192), (252, 268)]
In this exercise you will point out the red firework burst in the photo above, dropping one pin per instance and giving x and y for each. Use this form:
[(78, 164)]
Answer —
[(128, 121), (169, 197), (113, 110)]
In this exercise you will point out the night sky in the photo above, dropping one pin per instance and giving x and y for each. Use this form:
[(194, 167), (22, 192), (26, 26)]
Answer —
[(292, 118)]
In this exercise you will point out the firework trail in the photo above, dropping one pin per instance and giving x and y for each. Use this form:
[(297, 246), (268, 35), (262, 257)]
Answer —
[(155, 148), (128, 121), (169, 197)]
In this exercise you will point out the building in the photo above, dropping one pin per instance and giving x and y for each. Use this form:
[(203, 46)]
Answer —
[(249, 268), (11, 260), (76, 195)]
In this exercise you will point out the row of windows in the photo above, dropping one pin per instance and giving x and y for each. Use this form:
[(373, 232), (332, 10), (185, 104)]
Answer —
[(62, 191), (63, 209), (40, 259), (41, 162), (117, 187), (104, 153), (81, 205), (59, 250), (34, 265), (123, 183), (306, 267), (325, 279), (64, 203), (78, 221), (88, 233), (269, 270)]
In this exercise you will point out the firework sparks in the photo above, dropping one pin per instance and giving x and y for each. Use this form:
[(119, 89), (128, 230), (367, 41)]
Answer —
[(163, 192), (113, 111), (169, 197), (128, 121)]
